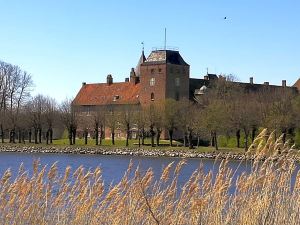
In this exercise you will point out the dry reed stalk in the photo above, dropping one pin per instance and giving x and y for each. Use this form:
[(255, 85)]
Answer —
[(266, 195)]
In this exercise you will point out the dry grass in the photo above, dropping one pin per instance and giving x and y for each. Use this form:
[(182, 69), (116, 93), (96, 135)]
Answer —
[(264, 196)]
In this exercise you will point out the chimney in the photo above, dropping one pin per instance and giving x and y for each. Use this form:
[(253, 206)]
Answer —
[(266, 83), (133, 77), (283, 83), (126, 79), (251, 80), (109, 79), (83, 84)]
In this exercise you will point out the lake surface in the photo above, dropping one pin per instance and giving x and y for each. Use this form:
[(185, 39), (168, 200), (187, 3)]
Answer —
[(113, 166)]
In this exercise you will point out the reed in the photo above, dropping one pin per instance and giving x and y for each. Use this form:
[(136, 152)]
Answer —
[(266, 195)]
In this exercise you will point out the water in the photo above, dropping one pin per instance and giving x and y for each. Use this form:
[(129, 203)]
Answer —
[(113, 167)]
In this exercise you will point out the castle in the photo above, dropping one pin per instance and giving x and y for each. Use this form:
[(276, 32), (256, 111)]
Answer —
[(162, 75)]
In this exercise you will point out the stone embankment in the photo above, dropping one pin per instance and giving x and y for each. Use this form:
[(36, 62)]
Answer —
[(153, 152)]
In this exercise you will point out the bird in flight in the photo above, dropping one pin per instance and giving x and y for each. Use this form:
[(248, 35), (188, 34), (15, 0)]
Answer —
[(225, 18)]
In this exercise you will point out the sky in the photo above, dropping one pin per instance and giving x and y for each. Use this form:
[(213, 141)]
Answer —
[(63, 43)]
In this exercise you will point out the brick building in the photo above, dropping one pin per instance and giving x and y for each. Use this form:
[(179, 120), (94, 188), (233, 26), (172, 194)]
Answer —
[(163, 74)]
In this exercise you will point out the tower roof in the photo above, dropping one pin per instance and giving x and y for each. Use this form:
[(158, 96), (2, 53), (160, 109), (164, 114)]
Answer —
[(165, 56), (297, 84), (137, 69)]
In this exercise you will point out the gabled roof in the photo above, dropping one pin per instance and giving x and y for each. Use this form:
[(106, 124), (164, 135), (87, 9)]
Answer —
[(297, 84), (165, 56), (104, 94)]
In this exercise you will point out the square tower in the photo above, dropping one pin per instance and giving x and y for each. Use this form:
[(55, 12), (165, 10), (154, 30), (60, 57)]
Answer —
[(164, 74)]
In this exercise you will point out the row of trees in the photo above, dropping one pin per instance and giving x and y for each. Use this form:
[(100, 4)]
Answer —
[(23, 116), (225, 108)]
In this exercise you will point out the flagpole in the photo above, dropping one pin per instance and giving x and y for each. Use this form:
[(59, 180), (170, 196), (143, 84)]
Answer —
[(165, 38)]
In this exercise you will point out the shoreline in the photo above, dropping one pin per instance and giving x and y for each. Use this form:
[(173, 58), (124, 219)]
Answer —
[(155, 152)]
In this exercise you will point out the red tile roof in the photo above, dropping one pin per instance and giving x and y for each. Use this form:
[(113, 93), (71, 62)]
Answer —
[(103, 94)]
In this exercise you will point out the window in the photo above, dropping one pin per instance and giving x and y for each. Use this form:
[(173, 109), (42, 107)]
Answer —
[(87, 110), (152, 71), (152, 81), (152, 96), (159, 70), (177, 81)]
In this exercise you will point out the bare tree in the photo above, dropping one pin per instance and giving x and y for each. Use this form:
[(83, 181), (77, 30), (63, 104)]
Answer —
[(50, 115), (140, 121), (112, 120), (150, 121), (127, 118), (69, 119), (171, 120), (15, 87), (99, 122)]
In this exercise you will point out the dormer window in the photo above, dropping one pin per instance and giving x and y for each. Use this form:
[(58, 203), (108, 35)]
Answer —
[(116, 97)]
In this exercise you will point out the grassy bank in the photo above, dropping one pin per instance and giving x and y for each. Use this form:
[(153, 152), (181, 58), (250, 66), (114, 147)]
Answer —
[(264, 196)]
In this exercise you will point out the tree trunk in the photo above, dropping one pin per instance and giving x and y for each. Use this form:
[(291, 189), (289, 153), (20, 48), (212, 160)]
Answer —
[(23, 137), (101, 134), (191, 140), (113, 138), (284, 135), (35, 135), (2, 133), (20, 136), (29, 136), (158, 136), (185, 140), (212, 139), (253, 134), (127, 134), (47, 137), (139, 139), (40, 135), (70, 135), (51, 135), (74, 135), (171, 137), (12, 136), (246, 139), (152, 135), (96, 133), (85, 137), (216, 141), (198, 141)]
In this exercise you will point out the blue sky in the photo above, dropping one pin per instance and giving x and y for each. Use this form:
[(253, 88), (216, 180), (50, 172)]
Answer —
[(63, 43)]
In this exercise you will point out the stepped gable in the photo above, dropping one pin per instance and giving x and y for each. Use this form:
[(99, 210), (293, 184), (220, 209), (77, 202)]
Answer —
[(104, 94), (297, 84), (165, 56)]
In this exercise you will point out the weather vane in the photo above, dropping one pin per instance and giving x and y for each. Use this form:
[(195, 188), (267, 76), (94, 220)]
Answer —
[(142, 45)]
